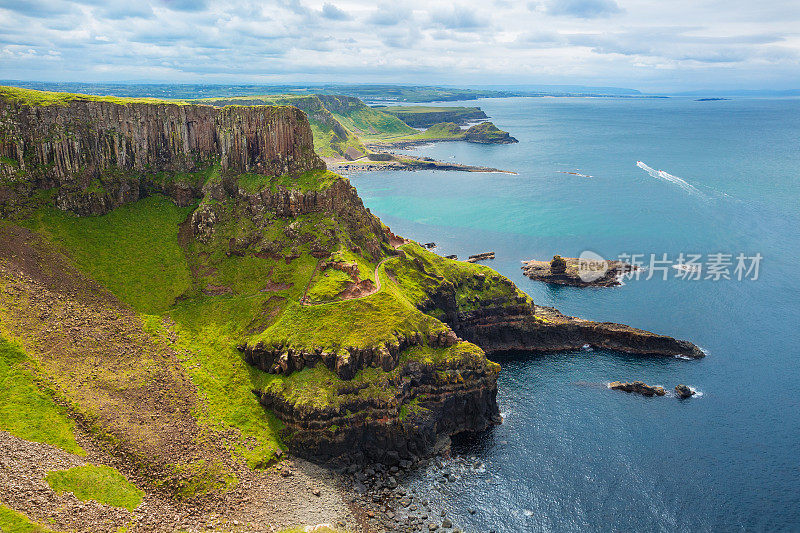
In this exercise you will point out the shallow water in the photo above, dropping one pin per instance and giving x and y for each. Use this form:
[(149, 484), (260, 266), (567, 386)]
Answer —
[(572, 454)]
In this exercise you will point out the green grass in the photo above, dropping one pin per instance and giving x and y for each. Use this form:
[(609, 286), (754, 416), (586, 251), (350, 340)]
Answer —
[(26, 411), (328, 285), (99, 483), (472, 283), (420, 116), (209, 174), (444, 131), (331, 138), (427, 109), (364, 121), (203, 477), (312, 389), (337, 122), (485, 131), (207, 330), (133, 251), (13, 522), (411, 408), (31, 97), (377, 319), (8, 161)]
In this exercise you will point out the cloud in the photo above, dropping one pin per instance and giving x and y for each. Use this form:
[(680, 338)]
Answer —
[(331, 12), (457, 18), (183, 5), (567, 42), (389, 15), (586, 9), (34, 8)]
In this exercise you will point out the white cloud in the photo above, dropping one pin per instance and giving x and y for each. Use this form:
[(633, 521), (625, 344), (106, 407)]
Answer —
[(637, 43)]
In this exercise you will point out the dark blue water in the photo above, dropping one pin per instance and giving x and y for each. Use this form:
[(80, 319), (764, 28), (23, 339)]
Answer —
[(571, 454)]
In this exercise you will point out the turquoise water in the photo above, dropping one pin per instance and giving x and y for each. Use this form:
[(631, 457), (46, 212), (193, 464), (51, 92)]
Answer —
[(571, 454)]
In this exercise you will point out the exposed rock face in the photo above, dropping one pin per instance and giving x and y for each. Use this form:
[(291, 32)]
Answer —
[(500, 325), (101, 154), (683, 392), (572, 271), (639, 387), (347, 361), (230, 201), (548, 330), (450, 399)]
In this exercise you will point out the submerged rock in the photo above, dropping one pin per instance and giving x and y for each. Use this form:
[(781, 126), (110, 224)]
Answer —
[(639, 387)]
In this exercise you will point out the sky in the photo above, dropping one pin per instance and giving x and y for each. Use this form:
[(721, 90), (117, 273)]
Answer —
[(651, 45)]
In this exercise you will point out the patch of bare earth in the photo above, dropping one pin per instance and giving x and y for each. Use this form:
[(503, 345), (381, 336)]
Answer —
[(135, 407)]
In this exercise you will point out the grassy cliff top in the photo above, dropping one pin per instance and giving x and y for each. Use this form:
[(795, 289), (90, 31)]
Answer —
[(423, 109), (351, 113), (339, 124), (32, 97)]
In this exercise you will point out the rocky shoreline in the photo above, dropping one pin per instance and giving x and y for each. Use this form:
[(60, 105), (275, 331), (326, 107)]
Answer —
[(388, 504), (409, 163)]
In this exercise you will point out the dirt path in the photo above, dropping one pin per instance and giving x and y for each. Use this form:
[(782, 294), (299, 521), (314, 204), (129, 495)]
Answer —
[(304, 298)]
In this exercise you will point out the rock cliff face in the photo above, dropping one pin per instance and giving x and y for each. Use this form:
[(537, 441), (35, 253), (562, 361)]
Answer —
[(446, 398), (101, 154), (266, 200), (497, 324)]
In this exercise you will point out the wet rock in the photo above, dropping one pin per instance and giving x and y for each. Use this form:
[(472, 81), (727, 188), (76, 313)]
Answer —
[(639, 387), (683, 392)]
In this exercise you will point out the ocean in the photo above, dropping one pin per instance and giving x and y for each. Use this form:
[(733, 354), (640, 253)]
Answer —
[(718, 180)]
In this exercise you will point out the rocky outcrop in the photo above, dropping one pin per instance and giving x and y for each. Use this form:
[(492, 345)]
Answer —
[(639, 387), (577, 272), (683, 392), (502, 324), (346, 361), (429, 403), (547, 330), (488, 133), (226, 202), (100, 154)]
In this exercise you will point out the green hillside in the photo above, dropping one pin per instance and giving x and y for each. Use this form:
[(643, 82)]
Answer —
[(340, 124), (422, 116)]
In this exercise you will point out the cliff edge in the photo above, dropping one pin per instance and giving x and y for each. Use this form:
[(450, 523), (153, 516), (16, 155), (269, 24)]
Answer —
[(99, 153), (288, 313)]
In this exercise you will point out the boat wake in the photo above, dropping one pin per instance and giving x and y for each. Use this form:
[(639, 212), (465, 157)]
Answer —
[(675, 180)]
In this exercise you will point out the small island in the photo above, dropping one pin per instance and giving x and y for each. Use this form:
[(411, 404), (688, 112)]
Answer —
[(576, 272), (639, 387)]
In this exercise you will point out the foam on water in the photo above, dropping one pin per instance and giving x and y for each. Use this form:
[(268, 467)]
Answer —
[(675, 180)]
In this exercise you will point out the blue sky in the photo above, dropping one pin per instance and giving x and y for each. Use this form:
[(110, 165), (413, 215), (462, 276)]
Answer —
[(665, 45)]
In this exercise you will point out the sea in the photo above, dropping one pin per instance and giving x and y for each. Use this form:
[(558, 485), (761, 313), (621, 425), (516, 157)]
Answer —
[(659, 182)]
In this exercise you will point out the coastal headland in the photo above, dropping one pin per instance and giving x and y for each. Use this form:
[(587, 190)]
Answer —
[(198, 302)]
